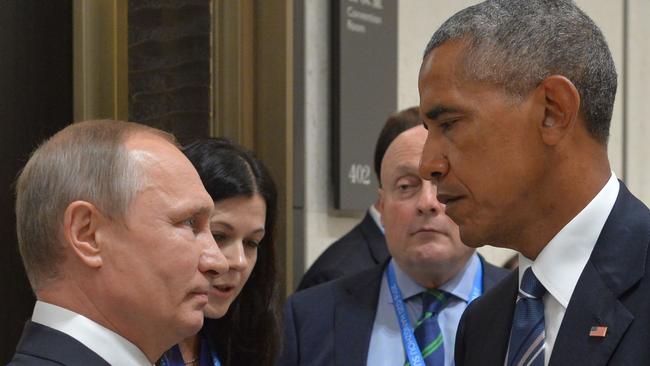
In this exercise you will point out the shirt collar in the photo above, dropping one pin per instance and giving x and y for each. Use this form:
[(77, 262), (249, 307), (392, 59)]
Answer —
[(110, 346), (559, 265), (376, 216), (461, 285)]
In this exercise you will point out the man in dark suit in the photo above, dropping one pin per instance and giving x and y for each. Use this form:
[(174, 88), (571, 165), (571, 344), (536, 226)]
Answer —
[(113, 229), (364, 246), (421, 292), (517, 97), (361, 248)]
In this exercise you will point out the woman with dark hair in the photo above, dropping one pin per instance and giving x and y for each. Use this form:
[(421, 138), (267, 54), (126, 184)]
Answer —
[(240, 325)]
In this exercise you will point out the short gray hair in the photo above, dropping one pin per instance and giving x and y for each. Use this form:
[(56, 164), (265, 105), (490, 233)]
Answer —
[(518, 43), (85, 161)]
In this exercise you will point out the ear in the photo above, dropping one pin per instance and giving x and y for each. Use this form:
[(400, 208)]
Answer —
[(562, 105), (80, 222)]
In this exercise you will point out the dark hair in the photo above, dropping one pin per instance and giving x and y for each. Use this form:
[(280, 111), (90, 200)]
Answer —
[(394, 126), (248, 333), (518, 43)]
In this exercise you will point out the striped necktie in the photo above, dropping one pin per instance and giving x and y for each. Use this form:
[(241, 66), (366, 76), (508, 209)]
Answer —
[(527, 335), (427, 331)]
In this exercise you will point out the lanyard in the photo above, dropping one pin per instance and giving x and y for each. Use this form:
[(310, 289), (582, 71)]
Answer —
[(207, 356), (213, 356), (477, 287), (411, 347)]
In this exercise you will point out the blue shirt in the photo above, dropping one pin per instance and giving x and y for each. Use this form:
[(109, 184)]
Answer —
[(207, 355), (386, 347)]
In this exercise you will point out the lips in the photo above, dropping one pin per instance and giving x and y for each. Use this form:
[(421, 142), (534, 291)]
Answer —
[(222, 290), (200, 294), (426, 229)]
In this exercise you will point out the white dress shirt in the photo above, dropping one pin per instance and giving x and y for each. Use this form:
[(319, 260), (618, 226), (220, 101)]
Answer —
[(386, 346), (560, 264), (376, 216), (110, 346)]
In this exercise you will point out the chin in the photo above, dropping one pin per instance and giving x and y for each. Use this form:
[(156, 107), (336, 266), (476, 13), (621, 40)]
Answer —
[(217, 311), (427, 255), (193, 325), (471, 238)]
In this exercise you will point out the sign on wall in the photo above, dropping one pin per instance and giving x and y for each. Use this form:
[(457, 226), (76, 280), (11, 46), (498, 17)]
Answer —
[(364, 93)]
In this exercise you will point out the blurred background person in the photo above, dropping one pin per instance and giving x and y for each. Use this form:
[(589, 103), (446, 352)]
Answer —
[(365, 245), (241, 326), (422, 290)]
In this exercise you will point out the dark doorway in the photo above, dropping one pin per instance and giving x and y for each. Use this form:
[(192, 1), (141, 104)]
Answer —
[(35, 102)]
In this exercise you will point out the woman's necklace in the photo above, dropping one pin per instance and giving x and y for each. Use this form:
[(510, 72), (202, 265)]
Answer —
[(191, 362)]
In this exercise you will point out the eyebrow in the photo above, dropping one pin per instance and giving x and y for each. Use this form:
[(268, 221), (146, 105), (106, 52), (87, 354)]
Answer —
[(405, 169), (200, 211), (230, 227), (438, 110)]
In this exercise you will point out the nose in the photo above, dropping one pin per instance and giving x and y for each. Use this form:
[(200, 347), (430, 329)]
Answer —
[(236, 256), (428, 203), (212, 261), (433, 164)]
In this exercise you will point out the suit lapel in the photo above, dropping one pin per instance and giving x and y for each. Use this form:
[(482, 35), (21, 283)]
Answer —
[(616, 264), (44, 342), (354, 316), (592, 304), (374, 238), (483, 339), (493, 326)]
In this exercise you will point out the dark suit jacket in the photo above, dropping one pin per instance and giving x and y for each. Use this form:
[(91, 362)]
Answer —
[(613, 290), (42, 345), (362, 248), (331, 324)]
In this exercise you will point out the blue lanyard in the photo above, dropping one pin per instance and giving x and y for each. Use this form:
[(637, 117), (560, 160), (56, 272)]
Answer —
[(411, 347), (207, 356), (477, 286), (215, 359)]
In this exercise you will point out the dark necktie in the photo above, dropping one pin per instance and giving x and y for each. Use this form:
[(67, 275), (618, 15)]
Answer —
[(427, 330), (527, 335)]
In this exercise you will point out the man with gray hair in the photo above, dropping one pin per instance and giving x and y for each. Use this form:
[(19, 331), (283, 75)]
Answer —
[(112, 224), (517, 97)]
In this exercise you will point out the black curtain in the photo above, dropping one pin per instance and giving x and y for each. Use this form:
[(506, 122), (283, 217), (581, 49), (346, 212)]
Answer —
[(35, 102)]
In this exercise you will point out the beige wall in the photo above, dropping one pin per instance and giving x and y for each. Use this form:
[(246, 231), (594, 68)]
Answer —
[(418, 19), (637, 106), (322, 226)]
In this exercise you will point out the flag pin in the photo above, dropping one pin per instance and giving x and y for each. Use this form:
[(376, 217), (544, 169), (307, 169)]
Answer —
[(598, 331)]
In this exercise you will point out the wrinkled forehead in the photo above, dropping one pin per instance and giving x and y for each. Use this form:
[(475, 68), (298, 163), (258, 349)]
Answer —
[(163, 166), (404, 153)]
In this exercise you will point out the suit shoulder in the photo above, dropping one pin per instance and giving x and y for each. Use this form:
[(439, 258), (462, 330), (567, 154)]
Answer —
[(21, 359), (484, 327), (353, 244), (42, 345), (500, 293), (492, 274), (313, 294), (348, 255), (495, 273), (325, 293)]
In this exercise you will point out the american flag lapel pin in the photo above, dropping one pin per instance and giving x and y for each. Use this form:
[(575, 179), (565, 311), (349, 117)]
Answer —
[(598, 331)]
